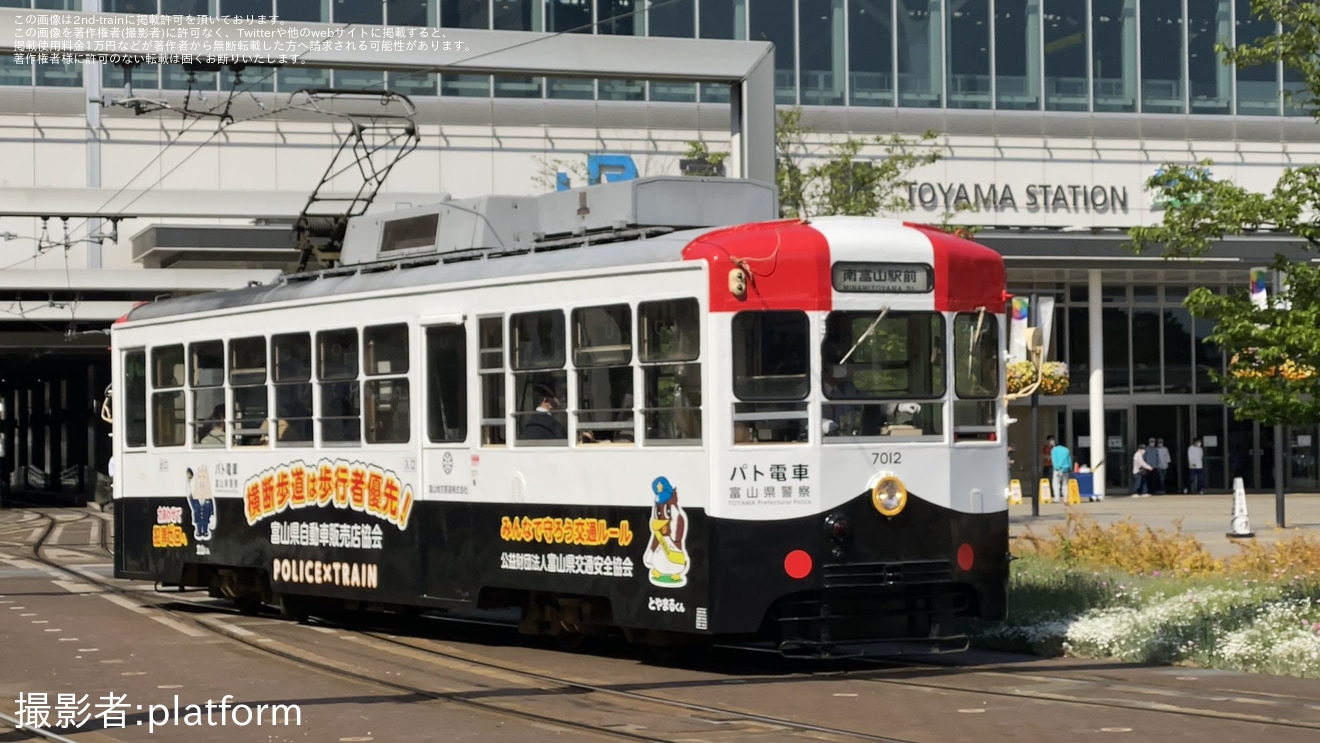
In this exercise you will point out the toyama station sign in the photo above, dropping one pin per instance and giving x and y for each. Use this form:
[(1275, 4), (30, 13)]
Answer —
[(1071, 198)]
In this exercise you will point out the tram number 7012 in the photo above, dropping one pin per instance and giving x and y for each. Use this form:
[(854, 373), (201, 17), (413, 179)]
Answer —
[(886, 457)]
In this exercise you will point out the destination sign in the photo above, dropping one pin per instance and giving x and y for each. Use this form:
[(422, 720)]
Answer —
[(895, 278)]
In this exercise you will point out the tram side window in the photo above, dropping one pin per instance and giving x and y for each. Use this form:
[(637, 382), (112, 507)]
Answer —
[(292, 354), (206, 377), (540, 382), (446, 379), (976, 363), (668, 347), (337, 373), (135, 398), (169, 424), (602, 353), (387, 400), (247, 376), (883, 374), (490, 332), (771, 376)]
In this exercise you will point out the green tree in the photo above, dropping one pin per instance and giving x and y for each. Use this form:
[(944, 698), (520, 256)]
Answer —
[(837, 179), (1273, 351)]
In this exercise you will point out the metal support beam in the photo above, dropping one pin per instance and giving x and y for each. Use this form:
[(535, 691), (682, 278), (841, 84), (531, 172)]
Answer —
[(131, 203), (92, 82)]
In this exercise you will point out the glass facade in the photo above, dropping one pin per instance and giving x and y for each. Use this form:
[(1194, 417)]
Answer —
[(1105, 56), (1157, 385)]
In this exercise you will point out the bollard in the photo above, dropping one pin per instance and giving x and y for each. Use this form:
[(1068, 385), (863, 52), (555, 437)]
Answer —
[(1240, 525)]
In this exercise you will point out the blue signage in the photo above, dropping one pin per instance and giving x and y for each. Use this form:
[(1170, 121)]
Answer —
[(602, 168)]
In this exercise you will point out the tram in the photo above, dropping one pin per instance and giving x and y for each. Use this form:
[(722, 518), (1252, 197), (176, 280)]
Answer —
[(649, 407)]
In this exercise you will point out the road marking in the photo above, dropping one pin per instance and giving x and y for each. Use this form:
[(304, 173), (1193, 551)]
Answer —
[(54, 630), (72, 587), (125, 603), (170, 686), (225, 626), (94, 538), (185, 629), (55, 535), (68, 639)]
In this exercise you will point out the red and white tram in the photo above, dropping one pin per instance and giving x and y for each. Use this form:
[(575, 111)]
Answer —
[(598, 406)]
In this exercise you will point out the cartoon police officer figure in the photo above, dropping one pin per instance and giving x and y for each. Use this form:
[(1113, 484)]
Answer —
[(666, 556), (201, 503)]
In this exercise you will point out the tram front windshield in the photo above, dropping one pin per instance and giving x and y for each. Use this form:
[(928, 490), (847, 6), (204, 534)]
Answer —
[(883, 374)]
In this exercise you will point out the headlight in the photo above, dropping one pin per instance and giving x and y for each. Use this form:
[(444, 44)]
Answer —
[(889, 495)]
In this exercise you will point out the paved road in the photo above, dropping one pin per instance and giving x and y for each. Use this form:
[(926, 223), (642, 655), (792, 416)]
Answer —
[(1204, 516), (60, 634)]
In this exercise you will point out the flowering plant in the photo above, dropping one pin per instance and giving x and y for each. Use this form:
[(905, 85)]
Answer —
[(1054, 377), (1020, 376), (1290, 370)]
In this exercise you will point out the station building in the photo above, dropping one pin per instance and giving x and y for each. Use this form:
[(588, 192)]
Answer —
[(1051, 115)]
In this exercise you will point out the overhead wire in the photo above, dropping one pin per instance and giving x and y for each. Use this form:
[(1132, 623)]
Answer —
[(247, 88)]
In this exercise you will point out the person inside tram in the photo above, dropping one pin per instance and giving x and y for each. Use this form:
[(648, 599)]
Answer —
[(295, 421), (542, 425), (214, 431)]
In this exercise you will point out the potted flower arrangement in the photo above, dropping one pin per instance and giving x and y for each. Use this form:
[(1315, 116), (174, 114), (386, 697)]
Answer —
[(1053, 381), (1054, 378)]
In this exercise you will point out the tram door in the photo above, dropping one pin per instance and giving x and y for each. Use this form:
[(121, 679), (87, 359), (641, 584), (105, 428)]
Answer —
[(446, 469)]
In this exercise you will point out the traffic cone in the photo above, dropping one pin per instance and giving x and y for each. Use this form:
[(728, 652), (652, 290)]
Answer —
[(1044, 490), (1241, 524)]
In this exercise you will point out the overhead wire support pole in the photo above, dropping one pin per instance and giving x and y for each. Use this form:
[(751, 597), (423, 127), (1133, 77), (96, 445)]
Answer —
[(1279, 515), (1034, 322)]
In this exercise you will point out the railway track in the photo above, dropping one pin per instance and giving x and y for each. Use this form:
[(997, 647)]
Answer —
[(1097, 687), (423, 663), (348, 669)]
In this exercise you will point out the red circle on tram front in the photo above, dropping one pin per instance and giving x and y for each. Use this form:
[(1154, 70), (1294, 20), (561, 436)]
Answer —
[(966, 557), (797, 564)]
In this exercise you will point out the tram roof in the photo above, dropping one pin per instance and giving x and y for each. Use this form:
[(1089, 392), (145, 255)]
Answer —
[(365, 279)]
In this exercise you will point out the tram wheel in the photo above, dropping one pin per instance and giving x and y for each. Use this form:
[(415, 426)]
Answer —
[(570, 642), (248, 606), (295, 608), (666, 654)]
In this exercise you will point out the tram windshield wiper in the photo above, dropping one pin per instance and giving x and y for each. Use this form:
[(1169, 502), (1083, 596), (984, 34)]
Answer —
[(884, 311), (976, 339)]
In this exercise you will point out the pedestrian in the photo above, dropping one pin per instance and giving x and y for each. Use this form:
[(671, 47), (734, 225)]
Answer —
[(1196, 467), (1162, 455), (1140, 466), (1047, 458), (1061, 459), (1153, 459)]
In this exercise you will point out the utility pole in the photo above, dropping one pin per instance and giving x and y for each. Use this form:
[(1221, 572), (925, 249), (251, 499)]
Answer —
[(1278, 432), (1033, 321)]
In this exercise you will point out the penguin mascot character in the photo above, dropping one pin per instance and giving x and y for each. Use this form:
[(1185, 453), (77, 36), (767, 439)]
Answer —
[(666, 556)]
